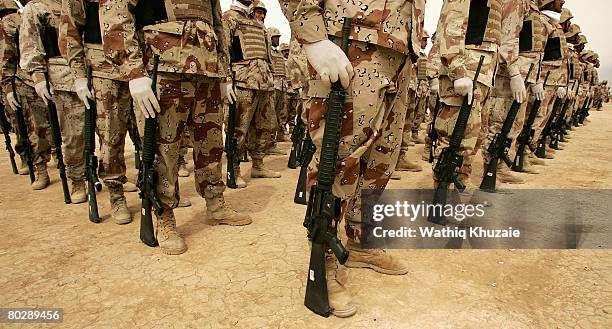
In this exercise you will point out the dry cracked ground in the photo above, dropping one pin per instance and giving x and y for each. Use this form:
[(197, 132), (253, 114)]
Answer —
[(254, 276)]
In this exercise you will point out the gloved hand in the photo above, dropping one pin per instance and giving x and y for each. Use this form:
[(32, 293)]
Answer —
[(12, 101), (330, 62), (570, 95), (463, 87), (517, 86), (80, 86), (43, 92), (538, 91), (227, 92), (144, 97), (561, 92), (434, 85)]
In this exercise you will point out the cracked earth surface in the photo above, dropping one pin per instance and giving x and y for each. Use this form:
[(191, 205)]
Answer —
[(254, 276)]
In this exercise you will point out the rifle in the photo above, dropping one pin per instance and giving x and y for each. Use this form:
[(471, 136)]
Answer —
[(450, 160), (57, 140), (432, 133), (147, 175), (135, 137), (5, 126), (91, 161), (297, 135), (308, 150), (585, 111), (24, 140), (541, 146), (524, 139), (557, 128), (231, 144), (498, 149), (323, 212)]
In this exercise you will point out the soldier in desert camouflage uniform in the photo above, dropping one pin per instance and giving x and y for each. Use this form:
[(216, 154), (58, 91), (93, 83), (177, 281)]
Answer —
[(556, 56), (375, 110), (523, 40), (572, 34), (252, 78), (41, 58), (433, 76), (278, 94), (188, 36), (415, 87), (80, 42), (34, 109), (422, 92), (292, 95), (462, 42)]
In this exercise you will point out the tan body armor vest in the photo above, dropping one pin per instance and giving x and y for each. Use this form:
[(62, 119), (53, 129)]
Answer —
[(150, 12), (532, 38), (250, 39), (278, 64), (484, 22)]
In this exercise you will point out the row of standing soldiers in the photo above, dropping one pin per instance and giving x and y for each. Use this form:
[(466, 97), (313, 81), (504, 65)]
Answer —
[(529, 52)]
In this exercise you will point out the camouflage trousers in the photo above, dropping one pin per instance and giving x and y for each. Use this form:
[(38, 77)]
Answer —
[(375, 112), (71, 112), (407, 129), (498, 108), (280, 110), (293, 105), (188, 101), (113, 102), (447, 117), (255, 121), (186, 144), (544, 111), (37, 121), (419, 113)]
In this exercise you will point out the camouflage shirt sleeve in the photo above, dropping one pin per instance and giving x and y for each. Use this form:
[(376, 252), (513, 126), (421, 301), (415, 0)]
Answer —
[(222, 44), (34, 19), (452, 28), (433, 61), (8, 46), (514, 12), (70, 36), (306, 19), (120, 40)]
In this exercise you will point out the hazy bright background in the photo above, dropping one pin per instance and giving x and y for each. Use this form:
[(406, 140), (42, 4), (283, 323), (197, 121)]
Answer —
[(591, 15)]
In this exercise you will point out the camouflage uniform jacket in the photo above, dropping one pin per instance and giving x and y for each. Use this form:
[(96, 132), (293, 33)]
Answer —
[(461, 46), (297, 67), (185, 46), (73, 47), (40, 21), (279, 70), (386, 23), (516, 12), (9, 46), (250, 73), (433, 61), (575, 69)]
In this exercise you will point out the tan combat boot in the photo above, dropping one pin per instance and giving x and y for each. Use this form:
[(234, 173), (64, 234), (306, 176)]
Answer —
[(550, 154), (119, 210), (340, 300), (403, 164), (240, 183), (23, 168), (416, 138), (219, 213), (170, 242), (42, 177), (529, 168), (505, 175), (275, 150), (376, 259), (130, 187), (183, 171), (534, 160), (78, 195), (281, 136), (259, 171), (184, 202)]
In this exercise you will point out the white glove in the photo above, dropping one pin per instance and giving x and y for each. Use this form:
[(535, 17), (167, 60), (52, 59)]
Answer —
[(227, 92), (144, 97), (12, 101), (80, 86), (330, 62), (517, 86), (434, 85), (43, 92), (561, 92), (538, 91), (463, 87), (570, 95)]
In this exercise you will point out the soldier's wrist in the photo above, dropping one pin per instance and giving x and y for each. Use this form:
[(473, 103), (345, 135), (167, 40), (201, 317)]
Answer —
[(38, 77)]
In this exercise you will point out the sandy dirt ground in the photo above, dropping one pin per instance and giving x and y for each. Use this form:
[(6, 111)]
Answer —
[(254, 276)]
